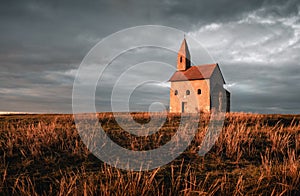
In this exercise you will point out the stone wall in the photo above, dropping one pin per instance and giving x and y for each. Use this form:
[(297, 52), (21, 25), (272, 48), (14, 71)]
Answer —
[(195, 102)]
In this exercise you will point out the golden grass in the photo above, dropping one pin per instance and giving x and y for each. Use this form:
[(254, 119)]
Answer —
[(255, 154)]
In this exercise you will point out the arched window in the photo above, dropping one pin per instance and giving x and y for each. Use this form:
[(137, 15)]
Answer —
[(180, 59), (188, 92), (199, 91), (176, 92)]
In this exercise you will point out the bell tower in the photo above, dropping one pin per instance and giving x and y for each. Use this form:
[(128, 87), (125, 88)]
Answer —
[(183, 58)]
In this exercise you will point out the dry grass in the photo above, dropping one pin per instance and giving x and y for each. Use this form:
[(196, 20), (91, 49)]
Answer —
[(255, 154)]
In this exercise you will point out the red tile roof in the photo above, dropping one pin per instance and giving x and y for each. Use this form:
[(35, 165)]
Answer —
[(194, 73)]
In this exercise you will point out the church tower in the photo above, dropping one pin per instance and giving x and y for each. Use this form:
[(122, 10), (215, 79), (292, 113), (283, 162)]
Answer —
[(183, 58)]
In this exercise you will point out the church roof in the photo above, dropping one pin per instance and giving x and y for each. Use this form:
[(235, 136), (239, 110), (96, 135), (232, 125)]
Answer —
[(194, 73), (184, 50)]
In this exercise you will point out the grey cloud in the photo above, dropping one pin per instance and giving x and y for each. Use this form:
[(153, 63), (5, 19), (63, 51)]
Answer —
[(259, 56), (43, 42)]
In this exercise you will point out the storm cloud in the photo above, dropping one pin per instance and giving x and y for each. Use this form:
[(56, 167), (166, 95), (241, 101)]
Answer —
[(42, 43)]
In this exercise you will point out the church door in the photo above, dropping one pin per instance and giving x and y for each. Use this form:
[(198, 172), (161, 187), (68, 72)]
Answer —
[(184, 107)]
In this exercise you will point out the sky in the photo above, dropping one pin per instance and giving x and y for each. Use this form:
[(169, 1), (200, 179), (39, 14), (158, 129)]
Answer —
[(43, 43)]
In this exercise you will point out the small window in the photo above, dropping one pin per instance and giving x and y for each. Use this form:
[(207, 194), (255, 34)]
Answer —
[(188, 92), (199, 92), (176, 92), (181, 59)]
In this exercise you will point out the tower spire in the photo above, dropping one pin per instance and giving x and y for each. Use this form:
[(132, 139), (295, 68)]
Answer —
[(183, 58)]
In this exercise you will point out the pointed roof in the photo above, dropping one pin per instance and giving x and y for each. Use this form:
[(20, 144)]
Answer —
[(195, 73), (184, 49)]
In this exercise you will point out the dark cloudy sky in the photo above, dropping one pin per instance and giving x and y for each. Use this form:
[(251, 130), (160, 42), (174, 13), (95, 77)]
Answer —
[(256, 43)]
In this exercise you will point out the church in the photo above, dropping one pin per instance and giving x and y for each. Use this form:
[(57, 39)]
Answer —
[(197, 88)]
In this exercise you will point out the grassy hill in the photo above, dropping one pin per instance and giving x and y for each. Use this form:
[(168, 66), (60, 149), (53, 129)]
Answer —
[(255, 154)]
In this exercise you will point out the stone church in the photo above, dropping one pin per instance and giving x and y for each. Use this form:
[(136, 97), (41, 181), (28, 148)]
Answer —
[(197, 88)]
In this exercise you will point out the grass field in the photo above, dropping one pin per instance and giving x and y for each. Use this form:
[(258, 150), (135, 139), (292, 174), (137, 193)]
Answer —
[(255, 155)]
